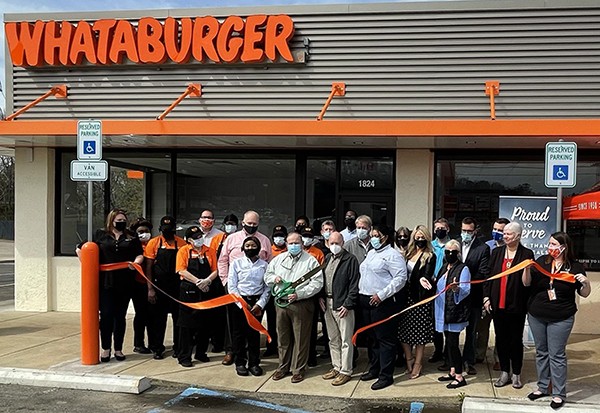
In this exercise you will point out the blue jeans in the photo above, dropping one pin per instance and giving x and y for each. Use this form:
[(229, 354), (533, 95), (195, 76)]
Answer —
[(550, 353)]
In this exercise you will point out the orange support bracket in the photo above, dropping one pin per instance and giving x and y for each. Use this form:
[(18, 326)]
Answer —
[(193, 89), (90, 303), (337, 89), (59, 91), (492, 88)]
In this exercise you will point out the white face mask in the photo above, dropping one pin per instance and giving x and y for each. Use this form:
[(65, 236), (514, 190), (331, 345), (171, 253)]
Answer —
[(335, 249), (198, 243), (279, 241), (362, 233), (326, 234), (307, 242), (145, 236), (230, 229)]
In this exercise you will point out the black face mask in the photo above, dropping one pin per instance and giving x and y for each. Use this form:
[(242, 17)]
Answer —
[(300, 228), (168, 232), (441, 233), (402, 242), (421, 243), (250, 230), (451, 256), (251, 252), (350, 223), (120, 226)]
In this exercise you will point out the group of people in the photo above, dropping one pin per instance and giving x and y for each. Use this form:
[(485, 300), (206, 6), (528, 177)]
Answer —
[(356, 277)]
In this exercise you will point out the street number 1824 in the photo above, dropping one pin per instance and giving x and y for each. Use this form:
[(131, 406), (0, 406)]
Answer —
[(366, 183)]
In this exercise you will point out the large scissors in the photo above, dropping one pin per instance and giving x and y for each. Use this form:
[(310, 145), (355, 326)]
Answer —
[(281, 291)]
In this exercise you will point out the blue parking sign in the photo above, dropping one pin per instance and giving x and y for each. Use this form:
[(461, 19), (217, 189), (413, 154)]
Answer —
[(560, 172), (89, 147)]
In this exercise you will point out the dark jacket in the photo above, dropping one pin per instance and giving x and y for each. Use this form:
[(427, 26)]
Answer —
[(516, 293), (478, 261), (345, 281), (456, 313), (413, 287)]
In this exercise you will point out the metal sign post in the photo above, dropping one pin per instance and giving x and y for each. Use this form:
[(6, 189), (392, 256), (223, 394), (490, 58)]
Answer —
[(561, 171)]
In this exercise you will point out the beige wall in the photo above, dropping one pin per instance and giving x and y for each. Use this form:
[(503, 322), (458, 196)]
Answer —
[(586, 319), (414, 187), (34, 228)]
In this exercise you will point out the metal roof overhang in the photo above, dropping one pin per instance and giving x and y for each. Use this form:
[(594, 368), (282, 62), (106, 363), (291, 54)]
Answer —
[(294, 133)]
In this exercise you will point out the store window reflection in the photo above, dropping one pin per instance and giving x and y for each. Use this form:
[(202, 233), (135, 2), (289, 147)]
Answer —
[(234, 184), (320, 189)]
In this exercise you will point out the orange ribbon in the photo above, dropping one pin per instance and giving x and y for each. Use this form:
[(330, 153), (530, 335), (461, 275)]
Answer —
[(564, 276), (203, 305)]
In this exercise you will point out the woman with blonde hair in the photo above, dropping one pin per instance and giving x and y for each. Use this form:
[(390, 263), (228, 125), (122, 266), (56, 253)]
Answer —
[(416, 325)]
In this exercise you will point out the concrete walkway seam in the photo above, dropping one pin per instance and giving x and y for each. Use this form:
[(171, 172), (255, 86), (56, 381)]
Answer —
[(481, 405)]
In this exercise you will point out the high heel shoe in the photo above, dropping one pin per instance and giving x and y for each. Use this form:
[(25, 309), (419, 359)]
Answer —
[(105, 358), (416, 371), (120, 357)]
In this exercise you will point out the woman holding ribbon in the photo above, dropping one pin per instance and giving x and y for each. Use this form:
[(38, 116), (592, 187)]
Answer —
[(551, 309), (416, 325), (117, 245), (506, 299), (453, 309)]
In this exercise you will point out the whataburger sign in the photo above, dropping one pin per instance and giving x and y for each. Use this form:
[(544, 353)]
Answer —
[(103, 42)]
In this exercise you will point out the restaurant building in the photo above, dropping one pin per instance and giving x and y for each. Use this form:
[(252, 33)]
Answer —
[(402, 111)]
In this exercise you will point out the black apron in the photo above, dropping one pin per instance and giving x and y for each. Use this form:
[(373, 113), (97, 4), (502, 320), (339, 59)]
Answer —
[(163, 272), (190, 293)]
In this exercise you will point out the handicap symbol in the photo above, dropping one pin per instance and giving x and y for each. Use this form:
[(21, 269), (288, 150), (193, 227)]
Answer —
[(560, 172), (89, 147)]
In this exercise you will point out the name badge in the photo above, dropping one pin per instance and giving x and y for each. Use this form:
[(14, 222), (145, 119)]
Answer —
[(552, 294)]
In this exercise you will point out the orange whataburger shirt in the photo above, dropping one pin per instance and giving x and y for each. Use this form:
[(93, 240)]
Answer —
[(151, 249), (183, 256), (317, 253), (217, 241), (278, 250)]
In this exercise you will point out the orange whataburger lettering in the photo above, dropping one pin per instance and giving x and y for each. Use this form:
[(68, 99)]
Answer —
[(151, 41)]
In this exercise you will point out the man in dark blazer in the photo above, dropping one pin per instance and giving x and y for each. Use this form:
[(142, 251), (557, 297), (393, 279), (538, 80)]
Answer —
[(475, 255)]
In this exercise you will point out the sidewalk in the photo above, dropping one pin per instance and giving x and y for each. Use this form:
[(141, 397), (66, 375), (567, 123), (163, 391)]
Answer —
[(51, 341)]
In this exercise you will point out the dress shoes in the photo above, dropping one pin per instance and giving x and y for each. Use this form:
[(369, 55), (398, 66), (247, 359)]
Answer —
[(456, 384), (368, 376), (227, 360), (381, 384), (120, 357), (105, 359), (297, 378), (241, 370), (158, 356), (341, 379), (331, 374), (186, 363), (142, 350), (202, 357), (447, 377), (279, 374), (256, 370)]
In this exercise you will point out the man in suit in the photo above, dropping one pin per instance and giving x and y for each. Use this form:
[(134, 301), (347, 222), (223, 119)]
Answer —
[(476, 256)]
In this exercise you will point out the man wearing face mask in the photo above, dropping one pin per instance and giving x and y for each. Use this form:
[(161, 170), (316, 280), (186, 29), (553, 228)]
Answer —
[(207, 225), (441, 229), (279, 246), (139, 295), (339, 298), (308, 240), (232, 249), (294, 321), (359, 246), (327, 228), (476, 256), (160, 254), (301, 223), (497, 234), (350, 221), (230, 225)]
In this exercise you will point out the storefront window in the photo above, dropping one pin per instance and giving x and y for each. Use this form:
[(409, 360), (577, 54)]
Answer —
[(367, 174), (233, 184), (320, 189)]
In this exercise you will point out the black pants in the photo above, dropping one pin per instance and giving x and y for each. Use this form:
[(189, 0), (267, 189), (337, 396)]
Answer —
[(438, 344), (471, 336), (157, 322), (245, 340), (454, 357), (113, 308), (139, 296), (383, 339), (271, 324), (509, 340)]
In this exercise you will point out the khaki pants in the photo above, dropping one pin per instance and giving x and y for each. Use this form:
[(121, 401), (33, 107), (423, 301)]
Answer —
[(340, 332), (293, 331)]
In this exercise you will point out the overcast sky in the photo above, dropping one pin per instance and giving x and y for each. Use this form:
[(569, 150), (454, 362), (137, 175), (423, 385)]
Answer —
[(43, 6)]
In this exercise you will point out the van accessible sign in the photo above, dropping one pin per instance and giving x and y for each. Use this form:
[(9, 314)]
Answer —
[(89, 171), (253, 39), (561, 164), (537, 216)]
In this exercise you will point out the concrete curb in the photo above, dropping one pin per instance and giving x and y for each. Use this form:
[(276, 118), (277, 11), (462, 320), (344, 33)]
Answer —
[(79, 381), (480, 405)]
